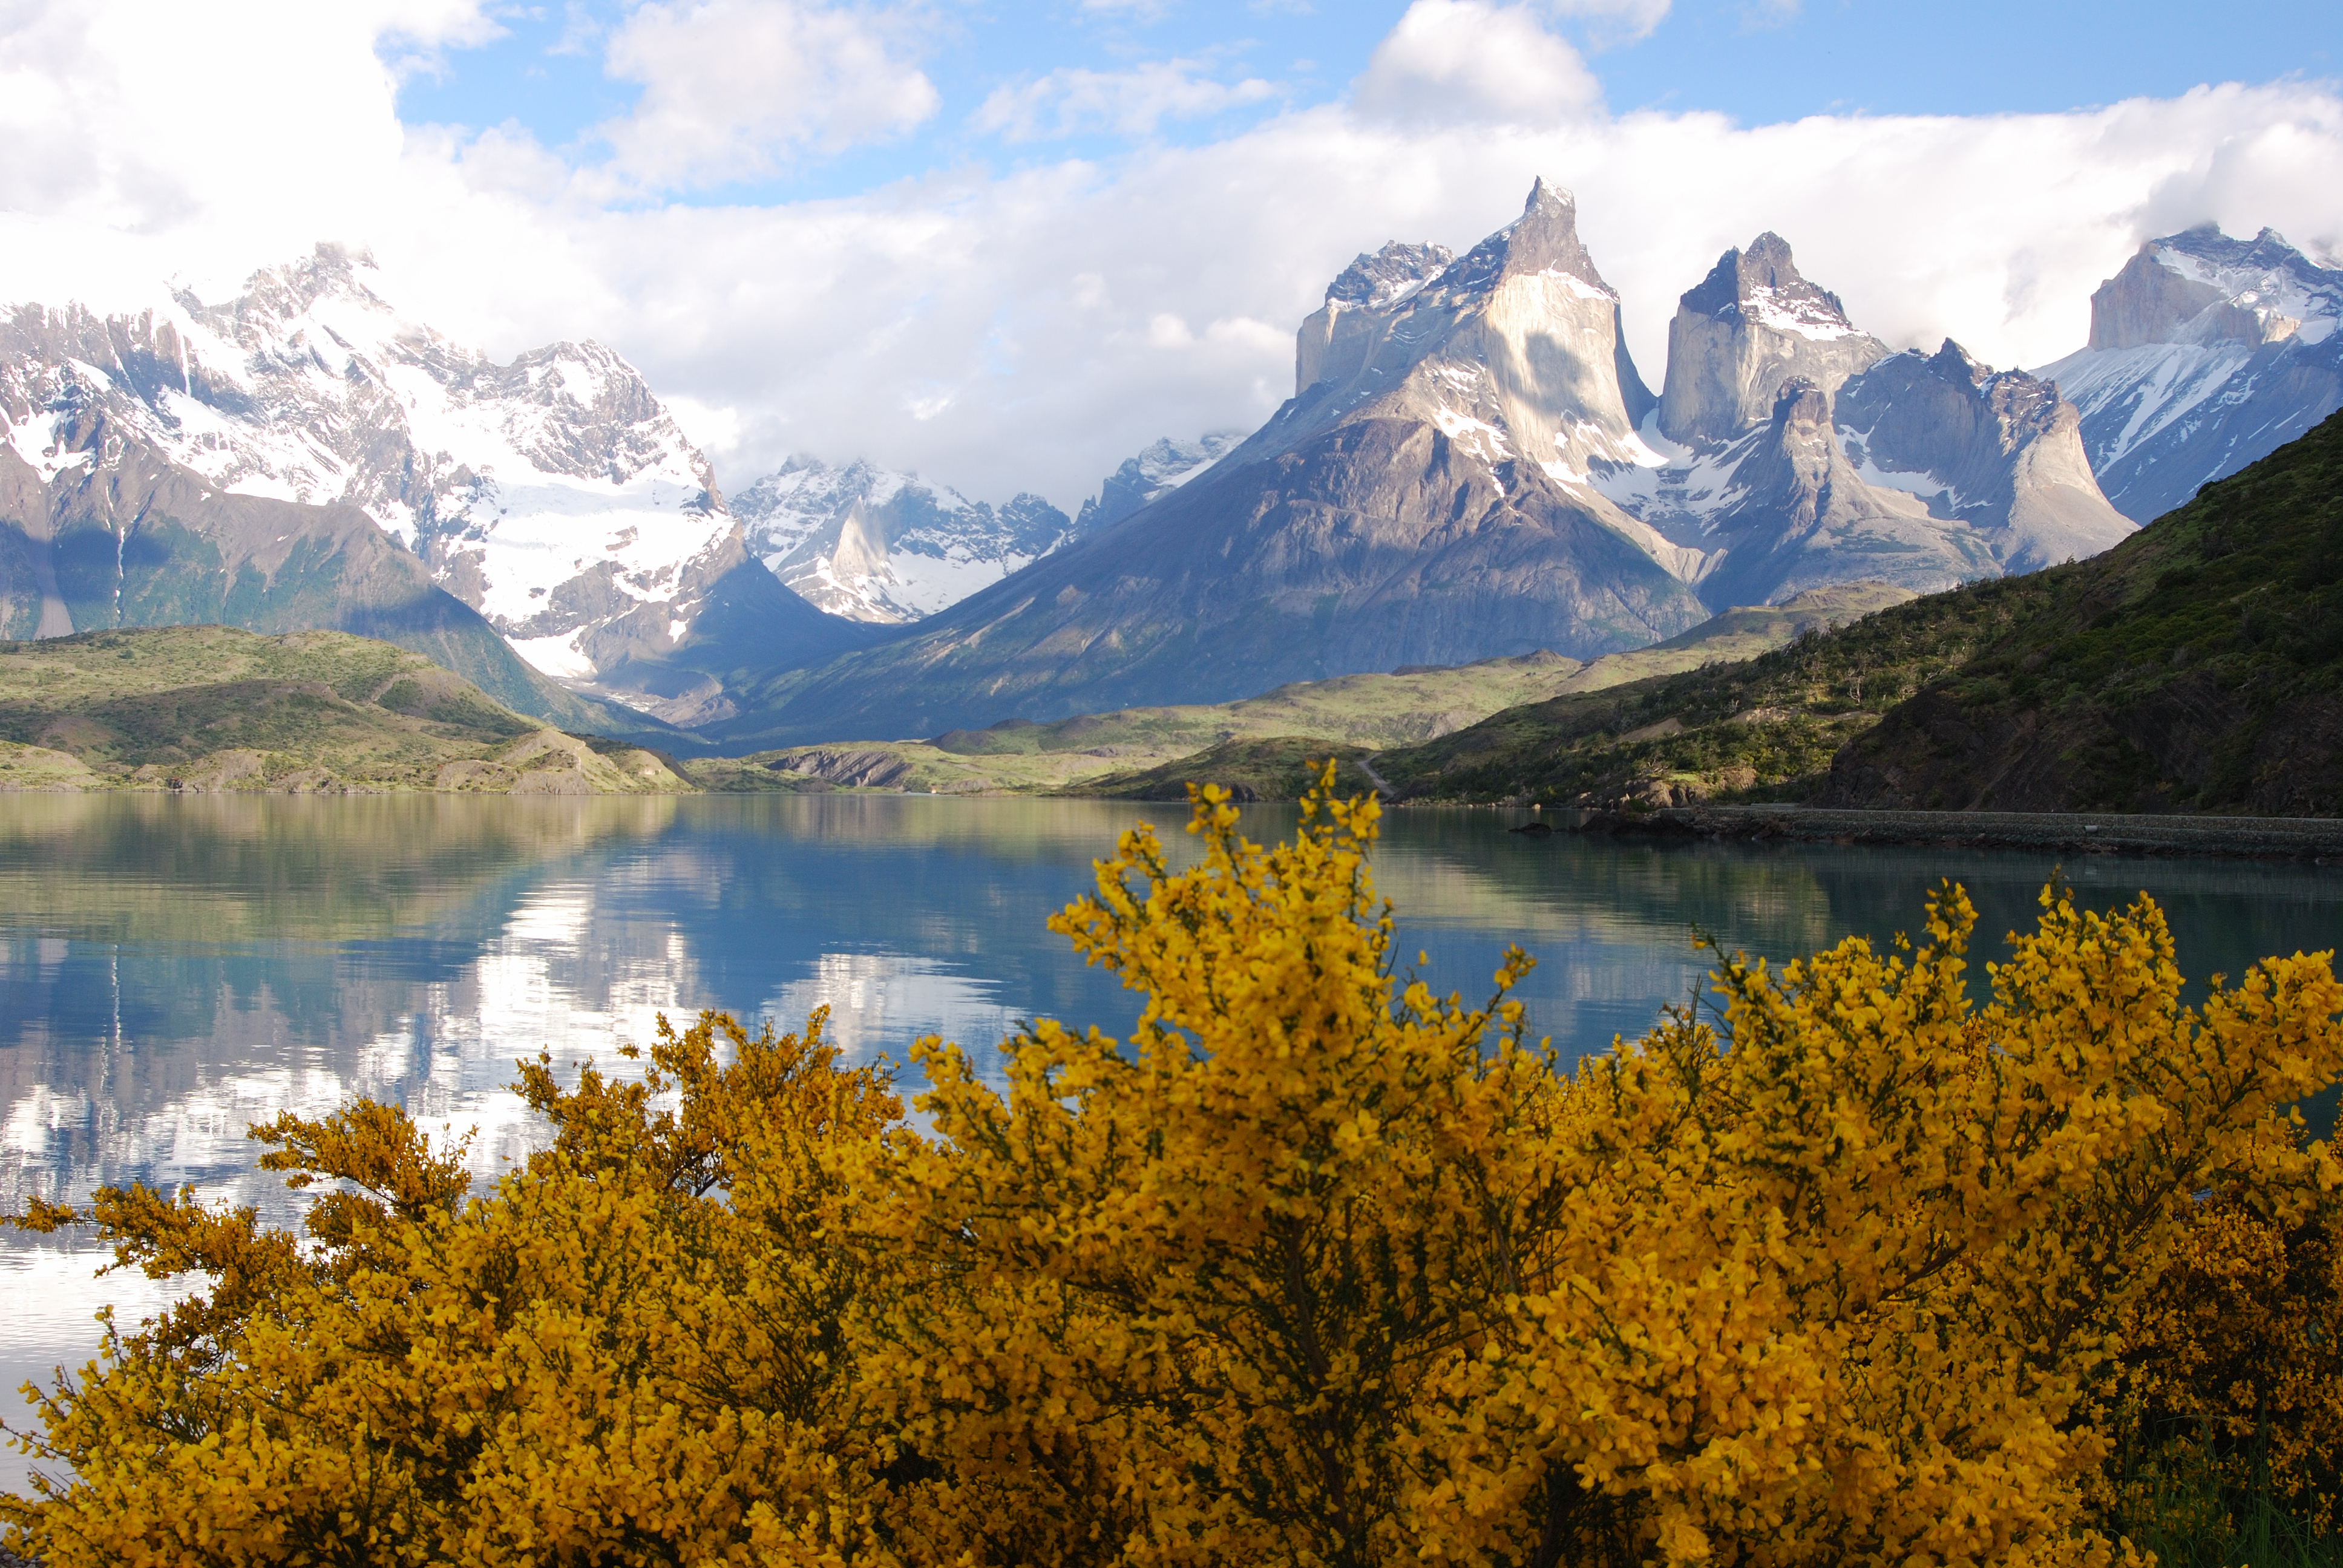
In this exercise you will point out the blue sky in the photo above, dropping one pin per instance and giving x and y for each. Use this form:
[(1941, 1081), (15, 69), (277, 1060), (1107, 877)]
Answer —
[(1755, 62)]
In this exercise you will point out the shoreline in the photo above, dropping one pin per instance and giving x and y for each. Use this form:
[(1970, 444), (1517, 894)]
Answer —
[(2316, 840)]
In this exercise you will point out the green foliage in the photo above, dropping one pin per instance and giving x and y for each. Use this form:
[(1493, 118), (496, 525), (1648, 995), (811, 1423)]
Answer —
[(1281, 768)]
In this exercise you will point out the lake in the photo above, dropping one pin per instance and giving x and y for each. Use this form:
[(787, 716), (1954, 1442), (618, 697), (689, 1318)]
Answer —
[(173, 970)]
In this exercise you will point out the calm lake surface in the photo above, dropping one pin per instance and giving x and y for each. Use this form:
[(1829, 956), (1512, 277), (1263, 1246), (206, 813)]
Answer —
[(172, 971)]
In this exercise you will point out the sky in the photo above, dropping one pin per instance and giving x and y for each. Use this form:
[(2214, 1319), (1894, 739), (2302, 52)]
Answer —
[(1006, 246)]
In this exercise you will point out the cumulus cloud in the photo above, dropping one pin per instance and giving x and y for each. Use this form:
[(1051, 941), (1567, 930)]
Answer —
[(142, 117), (1469, 62), (733, 89), (1029, 329), (1133, 102)]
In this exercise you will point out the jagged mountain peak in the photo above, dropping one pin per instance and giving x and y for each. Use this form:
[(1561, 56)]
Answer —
[(1156, 470), (553, 493), (1800, 401), (882, 546), (1761, 284), (1389, 275), (1544, 239), (2201, 287), (1754, 322), (2206, 353)]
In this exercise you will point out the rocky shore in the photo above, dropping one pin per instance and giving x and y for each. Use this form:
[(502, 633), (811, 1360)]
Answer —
[(2315, 839)]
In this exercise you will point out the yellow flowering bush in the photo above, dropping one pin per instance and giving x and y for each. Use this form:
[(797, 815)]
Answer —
[(1313, 1268)]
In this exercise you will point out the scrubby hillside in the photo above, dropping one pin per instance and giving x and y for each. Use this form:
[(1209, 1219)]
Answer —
[(208, 708), (1150, 749), (1767, 726)]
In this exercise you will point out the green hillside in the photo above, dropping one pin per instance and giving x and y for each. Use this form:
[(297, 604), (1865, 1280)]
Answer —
[(209, 707), (1280, 767), (1765, 726)]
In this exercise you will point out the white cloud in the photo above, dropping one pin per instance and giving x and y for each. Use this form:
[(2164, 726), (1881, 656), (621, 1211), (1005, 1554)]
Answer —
[(998, 332), (146, 118), (1133, 103), (734, 89), (1467, 62), (1614, 22)]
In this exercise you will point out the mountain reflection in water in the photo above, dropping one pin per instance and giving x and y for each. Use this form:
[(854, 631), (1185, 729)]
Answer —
[(174, 970)]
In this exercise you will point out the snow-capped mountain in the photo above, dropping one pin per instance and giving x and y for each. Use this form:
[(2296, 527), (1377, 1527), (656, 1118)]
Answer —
[(2205, 354), (1157, 470), (876, 545), (1422, 500), (554, 494), (1470, 466), (1791, 449)]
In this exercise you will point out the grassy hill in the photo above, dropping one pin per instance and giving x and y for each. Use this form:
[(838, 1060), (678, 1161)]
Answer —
[(2196, 667), (1258, 744), (210, 708)]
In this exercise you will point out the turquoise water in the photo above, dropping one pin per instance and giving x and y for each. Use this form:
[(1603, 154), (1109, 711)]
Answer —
[(173, 970)]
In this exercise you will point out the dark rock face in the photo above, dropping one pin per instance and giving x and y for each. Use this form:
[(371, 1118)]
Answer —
[(1376, 280), (2205, 354)]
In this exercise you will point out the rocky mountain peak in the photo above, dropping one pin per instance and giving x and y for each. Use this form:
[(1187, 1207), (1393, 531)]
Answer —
[(2201, 287), (277, 298), (1762, 285), (2206, 353), (1388, 275), (884, 547), (1955, 363), (1545, 238), (1753, 322), (1158, 469)]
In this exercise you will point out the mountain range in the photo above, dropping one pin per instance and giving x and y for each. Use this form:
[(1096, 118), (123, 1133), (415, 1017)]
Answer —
[(1472, 466), (303, 454), (2205, 354)]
